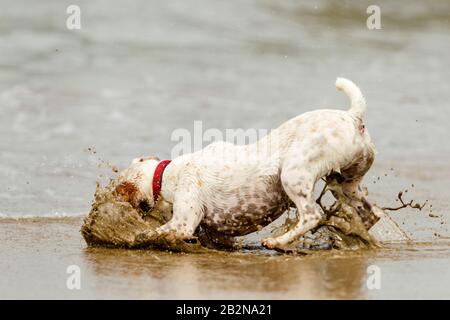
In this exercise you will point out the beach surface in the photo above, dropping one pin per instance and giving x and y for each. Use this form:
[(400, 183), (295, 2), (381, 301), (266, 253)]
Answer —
[(35, 267), (74, 101)]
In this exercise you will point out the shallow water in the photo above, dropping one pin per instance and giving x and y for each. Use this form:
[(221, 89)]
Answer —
[(138, 70)]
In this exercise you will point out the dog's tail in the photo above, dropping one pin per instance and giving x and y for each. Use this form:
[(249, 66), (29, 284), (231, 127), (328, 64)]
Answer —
[(358, 103)]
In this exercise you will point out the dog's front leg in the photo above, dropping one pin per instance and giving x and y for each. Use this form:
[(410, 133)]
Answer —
[(187, 210)]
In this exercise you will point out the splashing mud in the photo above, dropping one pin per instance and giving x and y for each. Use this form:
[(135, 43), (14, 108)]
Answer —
[(346, 227), (115, 223)]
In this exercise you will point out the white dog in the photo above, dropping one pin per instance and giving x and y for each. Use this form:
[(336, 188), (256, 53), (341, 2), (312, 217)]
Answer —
[(235, 190)]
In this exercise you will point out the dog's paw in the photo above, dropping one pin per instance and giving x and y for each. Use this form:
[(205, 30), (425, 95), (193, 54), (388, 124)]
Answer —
[(270, 243)]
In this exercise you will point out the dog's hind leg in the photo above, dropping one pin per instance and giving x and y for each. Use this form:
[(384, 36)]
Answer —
[(354, 196), (349, 184), (298, 180)]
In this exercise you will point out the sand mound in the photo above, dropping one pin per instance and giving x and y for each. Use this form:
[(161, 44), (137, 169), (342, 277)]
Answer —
[(115, 223)]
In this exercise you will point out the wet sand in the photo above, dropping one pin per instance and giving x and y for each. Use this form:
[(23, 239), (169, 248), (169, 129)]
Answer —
[(35, 253), (136, 72)]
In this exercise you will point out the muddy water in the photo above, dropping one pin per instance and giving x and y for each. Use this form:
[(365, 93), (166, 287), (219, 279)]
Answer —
[(138, 70)]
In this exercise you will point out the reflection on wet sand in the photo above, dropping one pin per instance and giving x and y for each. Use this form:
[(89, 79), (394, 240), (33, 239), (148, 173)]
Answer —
[(53, 244), (150, 274)]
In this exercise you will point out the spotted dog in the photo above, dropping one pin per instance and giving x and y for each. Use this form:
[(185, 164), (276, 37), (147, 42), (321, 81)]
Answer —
[(232, 190)]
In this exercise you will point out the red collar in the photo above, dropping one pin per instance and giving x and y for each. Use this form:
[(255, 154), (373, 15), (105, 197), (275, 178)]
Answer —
[(157, 178)]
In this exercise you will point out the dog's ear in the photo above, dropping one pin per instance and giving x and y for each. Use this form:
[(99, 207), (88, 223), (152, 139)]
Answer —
[(142, 159)]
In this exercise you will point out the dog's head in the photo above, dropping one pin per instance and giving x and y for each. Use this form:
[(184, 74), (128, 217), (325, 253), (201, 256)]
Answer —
[(135, 183)]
